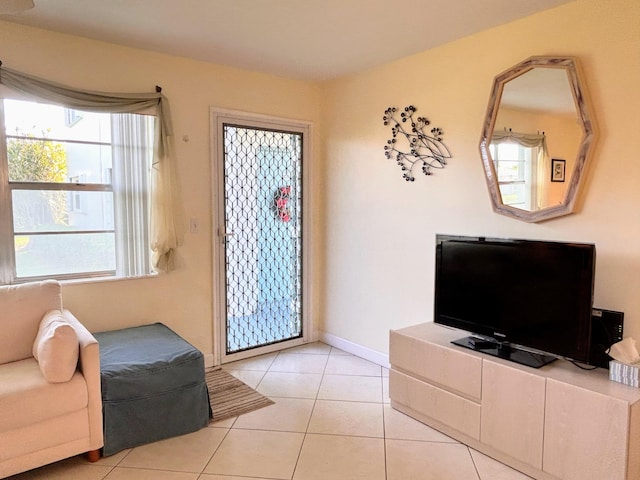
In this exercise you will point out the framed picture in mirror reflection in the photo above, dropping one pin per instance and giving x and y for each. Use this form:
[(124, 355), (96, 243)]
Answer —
[(557, 170)]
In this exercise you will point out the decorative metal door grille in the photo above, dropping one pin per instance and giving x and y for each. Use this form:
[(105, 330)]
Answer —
[(263, 236)]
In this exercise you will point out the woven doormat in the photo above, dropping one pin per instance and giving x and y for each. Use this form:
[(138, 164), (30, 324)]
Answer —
[(229, 397)]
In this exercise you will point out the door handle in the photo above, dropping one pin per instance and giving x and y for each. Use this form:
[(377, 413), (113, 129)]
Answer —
[(224, 234)]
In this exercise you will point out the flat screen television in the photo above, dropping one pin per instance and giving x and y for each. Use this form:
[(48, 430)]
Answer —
[(525, 300)]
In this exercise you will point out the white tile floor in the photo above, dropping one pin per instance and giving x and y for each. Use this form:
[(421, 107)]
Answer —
[(331, 421)]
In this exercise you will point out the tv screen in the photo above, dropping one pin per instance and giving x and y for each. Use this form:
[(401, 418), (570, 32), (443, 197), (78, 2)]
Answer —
[(535, 294)]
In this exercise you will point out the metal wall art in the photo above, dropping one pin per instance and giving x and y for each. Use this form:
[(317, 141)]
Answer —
[(423, 150)]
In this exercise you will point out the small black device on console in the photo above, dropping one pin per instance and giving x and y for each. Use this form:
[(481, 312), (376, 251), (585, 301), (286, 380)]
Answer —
[(606, 329)]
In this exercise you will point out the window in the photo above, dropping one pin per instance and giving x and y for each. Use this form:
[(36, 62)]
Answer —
[(74, 190), (75, 198), (515, 167), (71, 117)]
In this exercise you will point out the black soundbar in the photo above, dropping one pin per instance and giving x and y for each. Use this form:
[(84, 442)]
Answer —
[(606, 329)]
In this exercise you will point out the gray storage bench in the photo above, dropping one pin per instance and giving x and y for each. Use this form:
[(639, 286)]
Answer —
[(153, 386)]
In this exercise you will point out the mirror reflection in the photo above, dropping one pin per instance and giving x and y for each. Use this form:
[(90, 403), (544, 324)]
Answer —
[(537, 121), (536, 139)]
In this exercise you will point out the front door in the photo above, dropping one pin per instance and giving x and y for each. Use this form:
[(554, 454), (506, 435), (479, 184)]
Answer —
[(260, 236)]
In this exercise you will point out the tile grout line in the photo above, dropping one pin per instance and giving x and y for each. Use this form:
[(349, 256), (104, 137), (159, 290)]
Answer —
[(228, 430), (384, 427), (473, 462), (215, 450), (315, 401)]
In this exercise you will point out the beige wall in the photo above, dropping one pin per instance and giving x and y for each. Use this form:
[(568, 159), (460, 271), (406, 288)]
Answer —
[(374, 232), (379, 240), (182, 299)]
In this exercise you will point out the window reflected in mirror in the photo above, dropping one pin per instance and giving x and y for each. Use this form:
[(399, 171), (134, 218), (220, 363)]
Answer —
[(516, 171), (537, 111)]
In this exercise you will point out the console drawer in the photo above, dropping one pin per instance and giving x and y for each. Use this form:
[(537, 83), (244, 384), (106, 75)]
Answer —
[(452, 410), (444, 366)]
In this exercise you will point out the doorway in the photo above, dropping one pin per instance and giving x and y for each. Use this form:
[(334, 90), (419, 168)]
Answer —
[(260, 245)]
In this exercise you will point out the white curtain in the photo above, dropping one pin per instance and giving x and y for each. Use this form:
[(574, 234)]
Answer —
[(132, 145), (530, 140), (166, 225)]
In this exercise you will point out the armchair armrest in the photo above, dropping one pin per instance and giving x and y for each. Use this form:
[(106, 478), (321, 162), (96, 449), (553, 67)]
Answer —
[(89, 365)]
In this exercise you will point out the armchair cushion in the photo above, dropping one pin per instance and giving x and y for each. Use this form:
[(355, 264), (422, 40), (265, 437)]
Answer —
[(26, 398), (22, 307), (56, 348)]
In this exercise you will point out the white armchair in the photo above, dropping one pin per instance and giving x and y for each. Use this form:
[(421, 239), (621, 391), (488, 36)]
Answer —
[(50, 407)]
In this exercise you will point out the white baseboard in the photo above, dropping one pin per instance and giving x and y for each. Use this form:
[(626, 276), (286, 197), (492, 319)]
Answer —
[(334, 341), (374, 356), (208, 360)]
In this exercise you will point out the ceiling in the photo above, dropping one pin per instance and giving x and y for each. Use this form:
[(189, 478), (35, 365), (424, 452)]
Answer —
[(540, 90), (313, 40)]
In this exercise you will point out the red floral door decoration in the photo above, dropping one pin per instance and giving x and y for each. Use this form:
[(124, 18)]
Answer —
[(281, 198)]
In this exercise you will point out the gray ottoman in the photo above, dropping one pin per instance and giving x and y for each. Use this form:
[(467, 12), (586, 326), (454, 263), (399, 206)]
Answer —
[(153, 386)]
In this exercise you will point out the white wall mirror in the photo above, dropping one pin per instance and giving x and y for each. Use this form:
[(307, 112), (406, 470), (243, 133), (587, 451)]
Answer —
[(537, 138)]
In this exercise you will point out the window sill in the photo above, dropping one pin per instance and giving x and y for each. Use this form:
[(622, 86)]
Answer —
[(78, 281)]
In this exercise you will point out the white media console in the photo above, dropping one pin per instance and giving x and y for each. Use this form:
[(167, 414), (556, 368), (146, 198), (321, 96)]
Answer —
[(556, 422)]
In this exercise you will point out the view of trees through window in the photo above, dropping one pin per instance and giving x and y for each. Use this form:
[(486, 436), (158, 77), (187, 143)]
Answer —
[(60, 190), (38, 161)]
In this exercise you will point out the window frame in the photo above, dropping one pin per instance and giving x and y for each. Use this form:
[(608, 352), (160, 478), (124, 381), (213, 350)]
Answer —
[(529, 172)]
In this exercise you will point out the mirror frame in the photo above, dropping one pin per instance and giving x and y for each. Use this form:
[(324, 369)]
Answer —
[(585, 148)]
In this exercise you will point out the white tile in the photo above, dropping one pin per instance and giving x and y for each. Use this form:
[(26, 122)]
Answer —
[(113, 460), (332, 457), (296, 385), (253, 453), (490, 469), (261, 362), (206, 476), (399, 426), (299, 363), (251, 377), (66, 470), (226, 423), (347, 418), (428, 461), (285, 415), (385, 390), (316, 348), (351, 387), (337, 351), (351, 365), (121, 473), (186, 453)]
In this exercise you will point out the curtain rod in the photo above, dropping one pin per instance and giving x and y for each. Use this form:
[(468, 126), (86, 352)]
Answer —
[(158, 87), (509, 131)]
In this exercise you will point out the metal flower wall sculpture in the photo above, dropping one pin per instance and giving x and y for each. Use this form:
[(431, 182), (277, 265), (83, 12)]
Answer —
[(424, 150)]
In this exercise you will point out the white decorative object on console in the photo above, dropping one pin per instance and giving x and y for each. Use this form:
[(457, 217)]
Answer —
[(552, 423)]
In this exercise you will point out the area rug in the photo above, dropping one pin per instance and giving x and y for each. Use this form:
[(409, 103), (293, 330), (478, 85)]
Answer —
[(229, 397)]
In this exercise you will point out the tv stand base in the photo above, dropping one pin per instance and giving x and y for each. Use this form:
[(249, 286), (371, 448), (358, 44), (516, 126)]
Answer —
[(506, 351)]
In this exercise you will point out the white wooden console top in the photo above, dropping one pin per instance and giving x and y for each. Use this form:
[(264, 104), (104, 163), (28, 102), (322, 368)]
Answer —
[(554, 423)]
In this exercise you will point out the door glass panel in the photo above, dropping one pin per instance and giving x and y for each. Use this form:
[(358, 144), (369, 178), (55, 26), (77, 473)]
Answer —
[(263, 241)]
